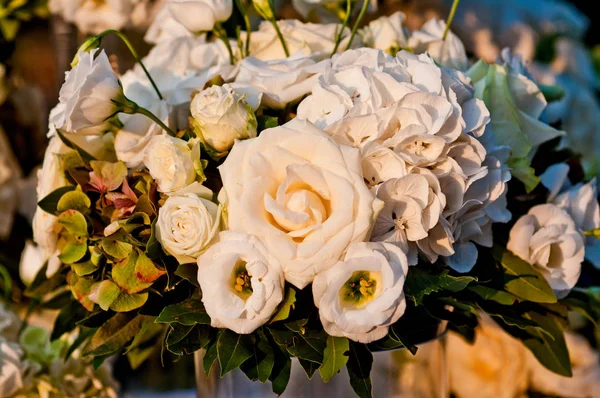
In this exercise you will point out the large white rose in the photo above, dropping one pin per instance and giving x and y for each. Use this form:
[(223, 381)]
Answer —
[(87, 97), (494, 366), (361, 296), (386, 33), (12, 368), (241, 282), (304, 38), (449, 52), (548, 238), (187, 223), (169, 161), (302, 194), (45, 225), (585, 363), (222, 115), (200, 15), (281, 80)]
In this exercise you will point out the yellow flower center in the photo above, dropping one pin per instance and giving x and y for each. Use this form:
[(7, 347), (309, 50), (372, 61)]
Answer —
[(240, 281), (359, 289)]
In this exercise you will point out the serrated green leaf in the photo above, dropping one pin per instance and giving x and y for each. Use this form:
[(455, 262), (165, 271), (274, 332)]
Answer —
[(115, 334), (335, 357), (188, 312), (360, 362), (232, 351), (419, 283), (50, 202), (74, 200), (523, 280), (283, 312), (308, 345)]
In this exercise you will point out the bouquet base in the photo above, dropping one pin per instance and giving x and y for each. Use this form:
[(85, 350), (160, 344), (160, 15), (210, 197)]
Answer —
[(396, 374)]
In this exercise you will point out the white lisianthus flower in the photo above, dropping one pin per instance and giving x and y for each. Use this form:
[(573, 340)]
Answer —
[(187, 223), (494, 366), (302, 194), (361, 296), (220, 116), (169, 161), (301, 38), (585, 364), (241, 282), (547, 238), (88, 94), (386, 33), (200, 15), (281, 80), (12, 368), (449, 53)]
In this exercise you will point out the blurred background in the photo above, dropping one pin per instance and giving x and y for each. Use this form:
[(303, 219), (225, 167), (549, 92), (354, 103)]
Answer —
[(38, 40)]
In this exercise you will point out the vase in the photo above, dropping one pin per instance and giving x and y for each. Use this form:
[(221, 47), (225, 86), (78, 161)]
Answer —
[(397, 374)]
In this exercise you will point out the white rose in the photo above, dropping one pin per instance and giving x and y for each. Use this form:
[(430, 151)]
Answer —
[(45, 226), (361, 296), (220, 116), (494, 366), (302, 194), (94, 17), (187, 223), (133, 139), (547, 238), (200, 15), (449, 52), (241, 282), (12, 368), (301, 38), (585, 364), (169, 161), (88, 94), (281, 80), (386, 33)]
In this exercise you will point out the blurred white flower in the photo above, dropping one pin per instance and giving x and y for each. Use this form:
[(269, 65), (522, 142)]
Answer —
[(200, 15), (449, 53), (33, 258), (361, 296), (386, 33), (12, 368)]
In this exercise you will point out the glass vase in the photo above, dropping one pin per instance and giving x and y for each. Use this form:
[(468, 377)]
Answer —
[(396, 374)]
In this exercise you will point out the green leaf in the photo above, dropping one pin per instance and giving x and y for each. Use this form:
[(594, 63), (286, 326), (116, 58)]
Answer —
[(260, 365), (129, 302), (184, 339), (124, 273), (309, 367), (138, 356), (84, 155), (9, 28), (552, 350), (74, 200), (232, 351), (359, 366), (73, 252), (67, 319), (420, 283), (116, 249), (74, 222), (50, 202), (84, 269), (266, 122), (146, 270), (115, 334), (499, 296), (105, 292), (309, 345), (210, 356), (282, 368), (81, 289), (283, 312), (523, 280), (42, 285), (335, 357), (107, 176), (96, 320), (552, 93), (188, 312), (189, 272)]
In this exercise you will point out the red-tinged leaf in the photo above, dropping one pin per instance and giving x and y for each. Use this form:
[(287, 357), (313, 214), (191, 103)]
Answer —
[(107, 176), (146, 270), (81, 289)]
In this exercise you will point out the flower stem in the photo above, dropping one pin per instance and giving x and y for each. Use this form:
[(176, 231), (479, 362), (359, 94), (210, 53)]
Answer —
[(132, 108), (361, 15), (344, 24), (220, 32), (7, 283), (450, 18), (281, 38), (134, 53), (242, 10)]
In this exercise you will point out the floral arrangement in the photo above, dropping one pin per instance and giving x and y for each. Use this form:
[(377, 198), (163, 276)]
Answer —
[(309, 191)]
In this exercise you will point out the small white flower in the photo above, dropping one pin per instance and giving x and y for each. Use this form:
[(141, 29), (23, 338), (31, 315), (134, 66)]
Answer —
[(200, 15), (241, 282), (386, 33), (220, 116), (12, 368), (88, 94), (361, 296), (169, 161), (449, 53), (281, 80), (302, 194), (93, 16), (187, 224), (547, 238)]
